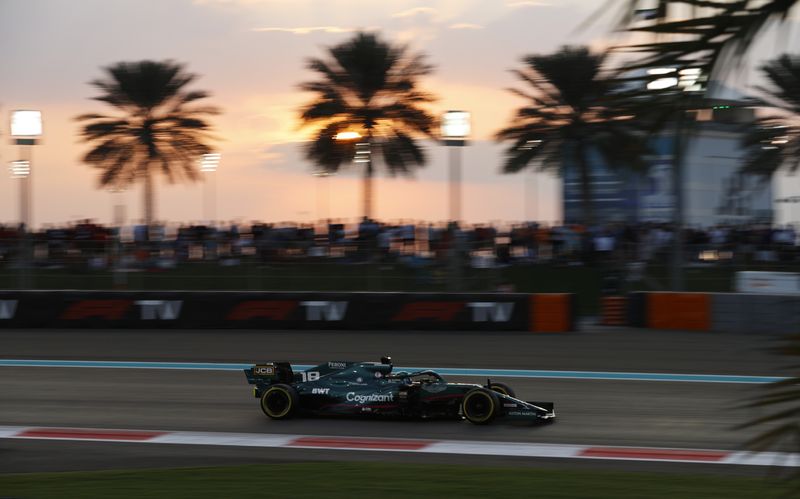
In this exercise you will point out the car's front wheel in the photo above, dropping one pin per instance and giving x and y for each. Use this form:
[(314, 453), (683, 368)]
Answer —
[(280, 401), (503, 389), (480, 406)]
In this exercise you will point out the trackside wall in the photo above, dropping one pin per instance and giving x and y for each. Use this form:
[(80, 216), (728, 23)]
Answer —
[(717, 312), (266, 310)]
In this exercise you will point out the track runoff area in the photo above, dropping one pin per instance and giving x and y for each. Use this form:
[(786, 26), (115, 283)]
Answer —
[(406, 445)]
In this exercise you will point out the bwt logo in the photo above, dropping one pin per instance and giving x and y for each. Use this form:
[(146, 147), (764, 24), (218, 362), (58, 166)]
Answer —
[(8, 308), (489, 311), (167, 310), (325, 310), (320, 391)]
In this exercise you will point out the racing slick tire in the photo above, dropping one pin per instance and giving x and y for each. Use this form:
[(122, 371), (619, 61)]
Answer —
[(503, 389), (480, 406), (280, 401)]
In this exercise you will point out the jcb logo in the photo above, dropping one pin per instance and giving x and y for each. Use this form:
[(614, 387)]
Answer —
[(167, 310), (325, 310), (489, 311), (7, 309), (263, 371)]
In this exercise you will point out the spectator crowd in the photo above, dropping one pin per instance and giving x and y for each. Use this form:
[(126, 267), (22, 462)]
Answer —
[(482, 245)]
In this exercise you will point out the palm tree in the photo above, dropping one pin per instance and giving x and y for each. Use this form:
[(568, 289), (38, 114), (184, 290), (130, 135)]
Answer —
[(572, 114), (774, 141), (369, 87), (712, 35), (158, 129), (780, 401)]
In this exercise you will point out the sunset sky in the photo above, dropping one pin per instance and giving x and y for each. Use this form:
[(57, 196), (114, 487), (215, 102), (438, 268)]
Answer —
[(250, 55)]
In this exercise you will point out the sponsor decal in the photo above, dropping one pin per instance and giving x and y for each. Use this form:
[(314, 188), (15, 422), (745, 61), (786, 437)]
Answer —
[(370, 397), (337, 365), (489, 311), (167, 310), (378, 375), (325, 310), (437, 311), (276, 310), (359, 380), (112, 310), (434, 387), (7, 309), (509, 405), (263, 370), (521, 413), (309, 376), (320, 391)]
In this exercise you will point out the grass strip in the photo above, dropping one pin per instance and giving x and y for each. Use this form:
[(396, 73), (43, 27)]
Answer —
[(347, 480)]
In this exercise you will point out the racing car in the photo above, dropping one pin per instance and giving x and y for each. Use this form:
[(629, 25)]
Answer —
[(343, 388)]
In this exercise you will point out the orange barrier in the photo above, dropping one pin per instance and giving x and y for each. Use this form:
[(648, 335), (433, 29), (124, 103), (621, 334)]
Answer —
[(614, 308), (690, 311), (551, 313)]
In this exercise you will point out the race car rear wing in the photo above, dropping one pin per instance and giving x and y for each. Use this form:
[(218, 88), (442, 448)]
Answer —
[(270, 372)]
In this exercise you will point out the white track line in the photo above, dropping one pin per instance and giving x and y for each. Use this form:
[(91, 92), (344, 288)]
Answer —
[(463, 447)]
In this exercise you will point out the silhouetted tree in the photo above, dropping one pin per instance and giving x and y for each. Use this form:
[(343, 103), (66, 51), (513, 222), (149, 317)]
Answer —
[(158, 129), (369, 86), (774, 140), (572, 113), (713, 35), (781, 400)]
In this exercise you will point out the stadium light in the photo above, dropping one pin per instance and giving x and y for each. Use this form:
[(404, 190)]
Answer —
[(26, 123), (208, 167), (456, 129), (20, 168)]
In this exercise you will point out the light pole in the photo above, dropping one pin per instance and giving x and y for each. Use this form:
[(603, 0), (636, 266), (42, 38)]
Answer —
[(363, 154), (323, 194), (685, 81), (455, 133), (208, 168), (26, 128)]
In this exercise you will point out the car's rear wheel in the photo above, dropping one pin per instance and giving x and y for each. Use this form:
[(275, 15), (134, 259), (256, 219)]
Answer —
[(280, 401), (503, 389), (480, 406)]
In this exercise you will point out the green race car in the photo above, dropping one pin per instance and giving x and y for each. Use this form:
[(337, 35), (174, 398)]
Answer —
[(342, 388)]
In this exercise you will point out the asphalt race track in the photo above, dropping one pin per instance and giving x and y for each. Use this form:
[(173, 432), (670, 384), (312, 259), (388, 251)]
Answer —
[(590, 411)]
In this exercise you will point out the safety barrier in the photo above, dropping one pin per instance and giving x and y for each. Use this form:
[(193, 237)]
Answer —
[(301, 310), (718, 312), (614, 310)]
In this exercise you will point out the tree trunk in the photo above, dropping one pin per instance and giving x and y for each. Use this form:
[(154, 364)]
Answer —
[(585, 169), (368, 174), (148, 198)]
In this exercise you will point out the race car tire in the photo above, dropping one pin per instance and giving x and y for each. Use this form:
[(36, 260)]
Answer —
[(503, 389), (280, 401), (480, 406)]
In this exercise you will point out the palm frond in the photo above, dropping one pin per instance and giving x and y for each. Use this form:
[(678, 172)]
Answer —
[(371, 85)]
